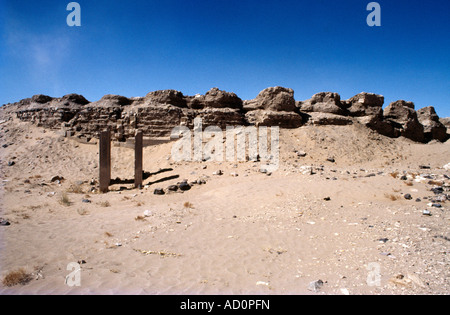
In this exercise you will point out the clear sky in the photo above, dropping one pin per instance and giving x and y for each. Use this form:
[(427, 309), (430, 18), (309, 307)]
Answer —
[(243, 46)]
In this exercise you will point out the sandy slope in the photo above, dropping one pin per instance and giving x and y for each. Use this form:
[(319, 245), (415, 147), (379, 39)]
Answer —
[(246, 234)]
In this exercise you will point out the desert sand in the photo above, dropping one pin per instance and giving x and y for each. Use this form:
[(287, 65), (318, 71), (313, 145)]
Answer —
[(346, 223)]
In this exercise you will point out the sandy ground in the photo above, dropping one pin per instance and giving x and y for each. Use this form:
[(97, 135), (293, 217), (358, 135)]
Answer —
[(243, 232)]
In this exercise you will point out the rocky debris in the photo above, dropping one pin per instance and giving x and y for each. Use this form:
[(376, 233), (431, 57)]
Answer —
[(160, 111), (402, 116), (159, 191), (433, 128)]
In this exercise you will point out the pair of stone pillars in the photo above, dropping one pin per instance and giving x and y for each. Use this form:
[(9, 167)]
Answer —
[(105, 160)]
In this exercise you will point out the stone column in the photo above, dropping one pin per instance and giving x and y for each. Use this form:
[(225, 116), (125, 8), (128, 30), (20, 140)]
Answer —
[(138, 144), (105, 160)]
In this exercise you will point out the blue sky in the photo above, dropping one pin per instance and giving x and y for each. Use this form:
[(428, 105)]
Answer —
[(134, 47)]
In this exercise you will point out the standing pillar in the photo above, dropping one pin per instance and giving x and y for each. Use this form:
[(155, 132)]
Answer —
[(105, 160), (138, 144)]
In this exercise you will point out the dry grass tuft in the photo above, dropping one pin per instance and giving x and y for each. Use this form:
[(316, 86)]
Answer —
[(19, 276)]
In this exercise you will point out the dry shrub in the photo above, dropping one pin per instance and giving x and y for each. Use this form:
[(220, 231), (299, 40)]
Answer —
[(64, 200), (19, 276), (105, 204), (392, 197), (76, 189), (394, 174), (187, 204)]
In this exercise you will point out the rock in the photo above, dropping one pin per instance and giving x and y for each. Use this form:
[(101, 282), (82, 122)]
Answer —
[(184, 186), (167, 97), (447, 167), (40, 98), (172, 188), (331, 159), (147, 213), (301, 153), (111, 100), (273, 98), (314, 118), (426, 212), (436, 205), (315, 285), (58, 178), (365, 104), (402, 116), (158, 191), (433, 128), (74, 98), (437, 190), (11, 163), (86, 201), (445, 122), (281, 119), (4, 222), (324, 102), (408, 196), (218, 172), (216, 98)]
